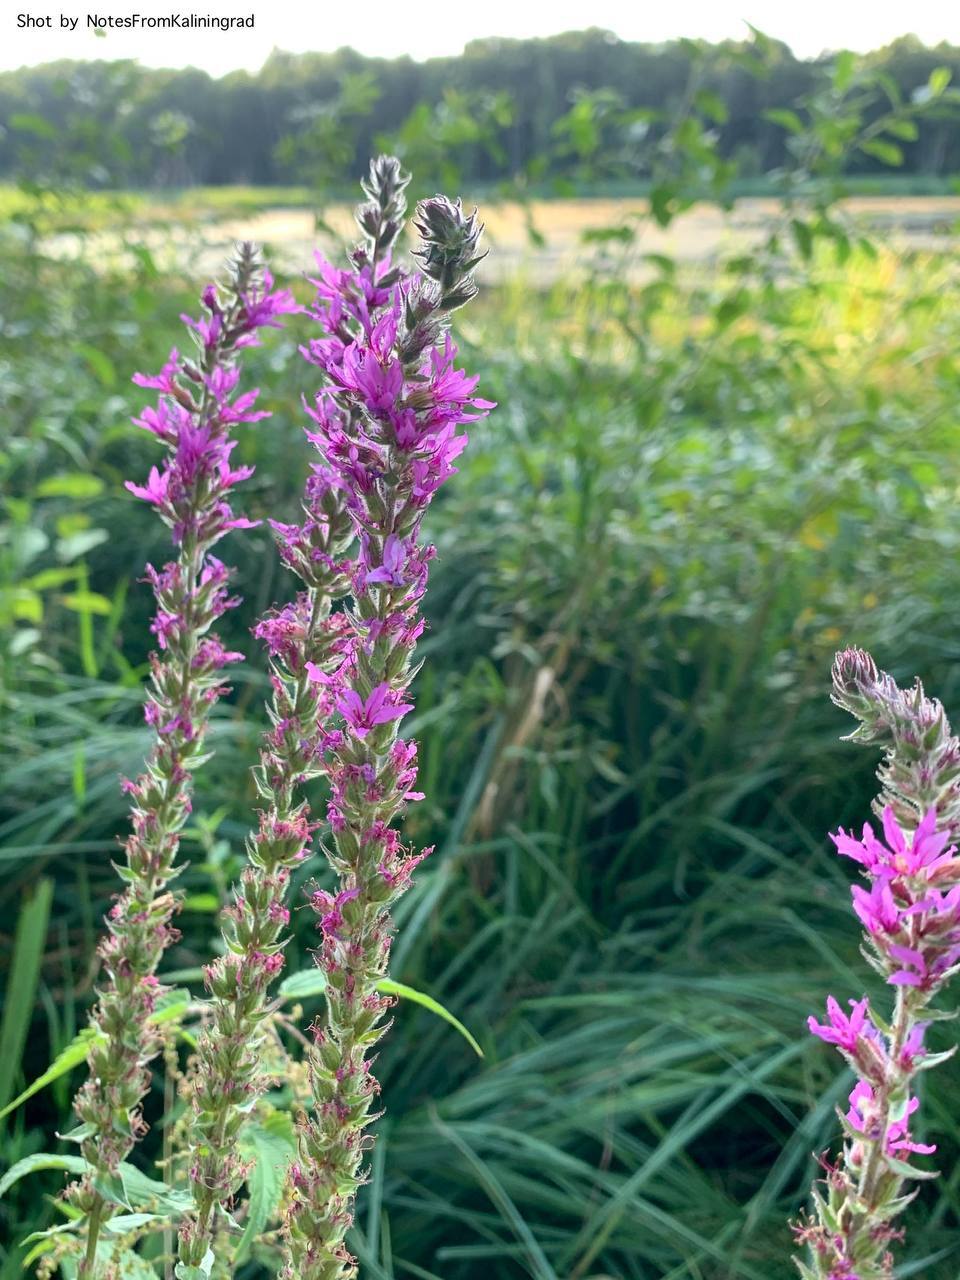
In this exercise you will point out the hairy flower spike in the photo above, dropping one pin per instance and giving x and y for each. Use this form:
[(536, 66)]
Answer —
[(308, 647), (448, 254), (381, 217), (386, 427), (921, 765), (193, 419), (910, 911)]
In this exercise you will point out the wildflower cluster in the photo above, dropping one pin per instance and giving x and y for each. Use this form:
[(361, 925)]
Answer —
[(910, 911), (196, 412), (386, 426)]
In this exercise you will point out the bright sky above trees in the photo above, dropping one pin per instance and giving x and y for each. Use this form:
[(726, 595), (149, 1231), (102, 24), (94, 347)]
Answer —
[(388, 28)]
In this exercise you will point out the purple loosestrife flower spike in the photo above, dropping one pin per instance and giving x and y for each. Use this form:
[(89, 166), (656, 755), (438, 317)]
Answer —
[(307, 646), (305, 643), (193, 419), (386, 425), (910, 912)]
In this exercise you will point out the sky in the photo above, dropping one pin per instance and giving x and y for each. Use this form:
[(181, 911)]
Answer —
[(424, 29)]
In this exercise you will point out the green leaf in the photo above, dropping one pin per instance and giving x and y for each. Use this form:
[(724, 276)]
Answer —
[(271, 1145), (712, 105), (171, 1005), (131, 1266), (37, 1162), (68, 1058), (123, 1222), (79, 543), (27, 122), (298, 986), (47, 578), (88, 602), (908, 1171), (788, 120), (311, 982), (935, 1059), (74, 484), (661, 204), (202, 1272), (389, 987), (136, 1191), (905, 129), (110, 1187), (28, 945), (803, 236), (44, 1241), (201, 902), (22, 604), (888, 152), (844, 68), (101, 364), (940, 77)]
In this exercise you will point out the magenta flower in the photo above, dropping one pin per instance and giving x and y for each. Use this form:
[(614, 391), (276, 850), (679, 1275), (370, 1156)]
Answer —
[(390, 572), (379, 708), (263, 306), (921, 855), (165, 380), (899, 1139), (154, 491), (843, 1031), (919, 969), (866, 1117), (876, 908)]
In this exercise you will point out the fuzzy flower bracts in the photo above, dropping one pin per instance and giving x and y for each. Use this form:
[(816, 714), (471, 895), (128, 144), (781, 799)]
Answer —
[(197, 410), (387, 426), (909, 907)]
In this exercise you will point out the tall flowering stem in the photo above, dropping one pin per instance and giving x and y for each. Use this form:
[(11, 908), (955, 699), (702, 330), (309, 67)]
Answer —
[(307, 645), (386, 425), (194, 417), (909, 907), (301, 638)]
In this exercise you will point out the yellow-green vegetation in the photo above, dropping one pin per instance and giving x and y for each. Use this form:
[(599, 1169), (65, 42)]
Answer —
[(100, 210)]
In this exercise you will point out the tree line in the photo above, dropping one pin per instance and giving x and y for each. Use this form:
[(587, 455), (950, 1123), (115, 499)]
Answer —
[(566, 108)]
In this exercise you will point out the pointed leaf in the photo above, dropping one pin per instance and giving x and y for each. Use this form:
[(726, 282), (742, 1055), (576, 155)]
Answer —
[(37, 1162), (68, 1058), (389, 987)]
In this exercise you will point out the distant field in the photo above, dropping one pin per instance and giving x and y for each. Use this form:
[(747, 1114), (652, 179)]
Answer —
[(192, 230)]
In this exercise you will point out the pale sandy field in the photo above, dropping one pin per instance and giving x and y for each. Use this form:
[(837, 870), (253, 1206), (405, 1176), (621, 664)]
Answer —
[(699, 235)]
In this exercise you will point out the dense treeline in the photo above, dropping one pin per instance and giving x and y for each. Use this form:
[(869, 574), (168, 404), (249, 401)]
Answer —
[(500, 106)]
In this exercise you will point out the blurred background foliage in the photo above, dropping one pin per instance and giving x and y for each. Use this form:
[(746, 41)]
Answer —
[(501, 105), (700, 481)]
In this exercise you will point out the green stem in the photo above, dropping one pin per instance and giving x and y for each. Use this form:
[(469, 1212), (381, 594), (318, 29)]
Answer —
[(93, 1236)]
